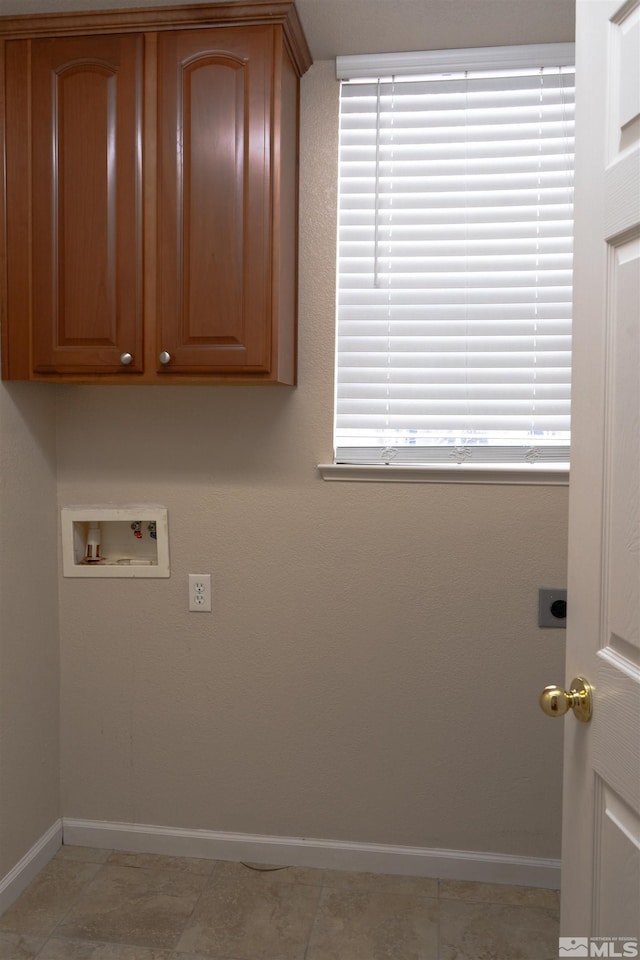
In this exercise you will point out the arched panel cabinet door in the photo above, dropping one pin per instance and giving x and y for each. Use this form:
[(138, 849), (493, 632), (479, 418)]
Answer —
[(87, 204), (150, 194), (214, 200)]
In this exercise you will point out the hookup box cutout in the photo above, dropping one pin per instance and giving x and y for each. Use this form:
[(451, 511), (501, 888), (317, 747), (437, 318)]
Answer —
[(123, 541)]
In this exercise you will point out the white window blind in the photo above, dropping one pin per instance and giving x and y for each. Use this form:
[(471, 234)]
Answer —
[(454, 263)]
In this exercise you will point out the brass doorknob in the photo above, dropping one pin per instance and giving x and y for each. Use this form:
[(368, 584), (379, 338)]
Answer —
[(555, 701)]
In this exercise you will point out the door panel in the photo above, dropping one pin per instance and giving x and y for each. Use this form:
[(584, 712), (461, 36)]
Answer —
[(601, 820), (616, 863), (87, 228), (214, 200)]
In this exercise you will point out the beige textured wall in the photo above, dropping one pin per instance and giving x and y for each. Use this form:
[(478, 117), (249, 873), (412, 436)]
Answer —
[(371, 667), (29, 659)]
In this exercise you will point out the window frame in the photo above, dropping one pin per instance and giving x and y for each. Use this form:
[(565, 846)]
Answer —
[(420, 63)]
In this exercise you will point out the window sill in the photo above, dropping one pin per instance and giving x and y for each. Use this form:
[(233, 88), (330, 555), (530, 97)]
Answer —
[(556, 475)]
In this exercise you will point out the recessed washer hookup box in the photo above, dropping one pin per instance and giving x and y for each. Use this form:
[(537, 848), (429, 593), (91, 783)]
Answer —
[(123, 541)]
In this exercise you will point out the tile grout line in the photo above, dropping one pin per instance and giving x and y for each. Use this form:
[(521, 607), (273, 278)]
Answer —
[(82, 891), (438, 919), (315, 916), (209, 878), (101, 943)]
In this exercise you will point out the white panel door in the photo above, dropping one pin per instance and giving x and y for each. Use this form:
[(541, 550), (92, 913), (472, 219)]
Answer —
[(601, 819)]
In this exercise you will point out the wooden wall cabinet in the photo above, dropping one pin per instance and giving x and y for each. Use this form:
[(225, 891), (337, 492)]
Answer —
[(150, 202)]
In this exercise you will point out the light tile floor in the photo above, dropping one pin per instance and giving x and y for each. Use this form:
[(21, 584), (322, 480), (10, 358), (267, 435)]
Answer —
[(104, 905)]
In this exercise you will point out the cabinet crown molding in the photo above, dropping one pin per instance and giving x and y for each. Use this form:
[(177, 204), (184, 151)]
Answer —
[(197, 15)]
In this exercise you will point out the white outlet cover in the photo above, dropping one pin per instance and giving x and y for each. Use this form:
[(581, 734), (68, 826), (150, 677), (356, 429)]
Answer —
[(200, 592)]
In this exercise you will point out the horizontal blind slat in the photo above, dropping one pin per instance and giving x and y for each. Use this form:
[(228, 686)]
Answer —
[(455, 264)]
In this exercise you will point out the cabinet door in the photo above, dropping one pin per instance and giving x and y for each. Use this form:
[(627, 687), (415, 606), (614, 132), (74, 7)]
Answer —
[(86, 188), (214, 200)]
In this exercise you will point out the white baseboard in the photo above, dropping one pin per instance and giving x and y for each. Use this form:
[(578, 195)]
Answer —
[(33, 861), (327, 854)]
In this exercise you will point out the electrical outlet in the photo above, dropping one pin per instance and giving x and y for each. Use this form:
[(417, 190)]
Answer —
[(552, 607), (200, 592)]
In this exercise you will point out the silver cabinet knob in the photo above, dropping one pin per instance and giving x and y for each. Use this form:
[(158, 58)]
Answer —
[(126, 358), (164, 357)]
